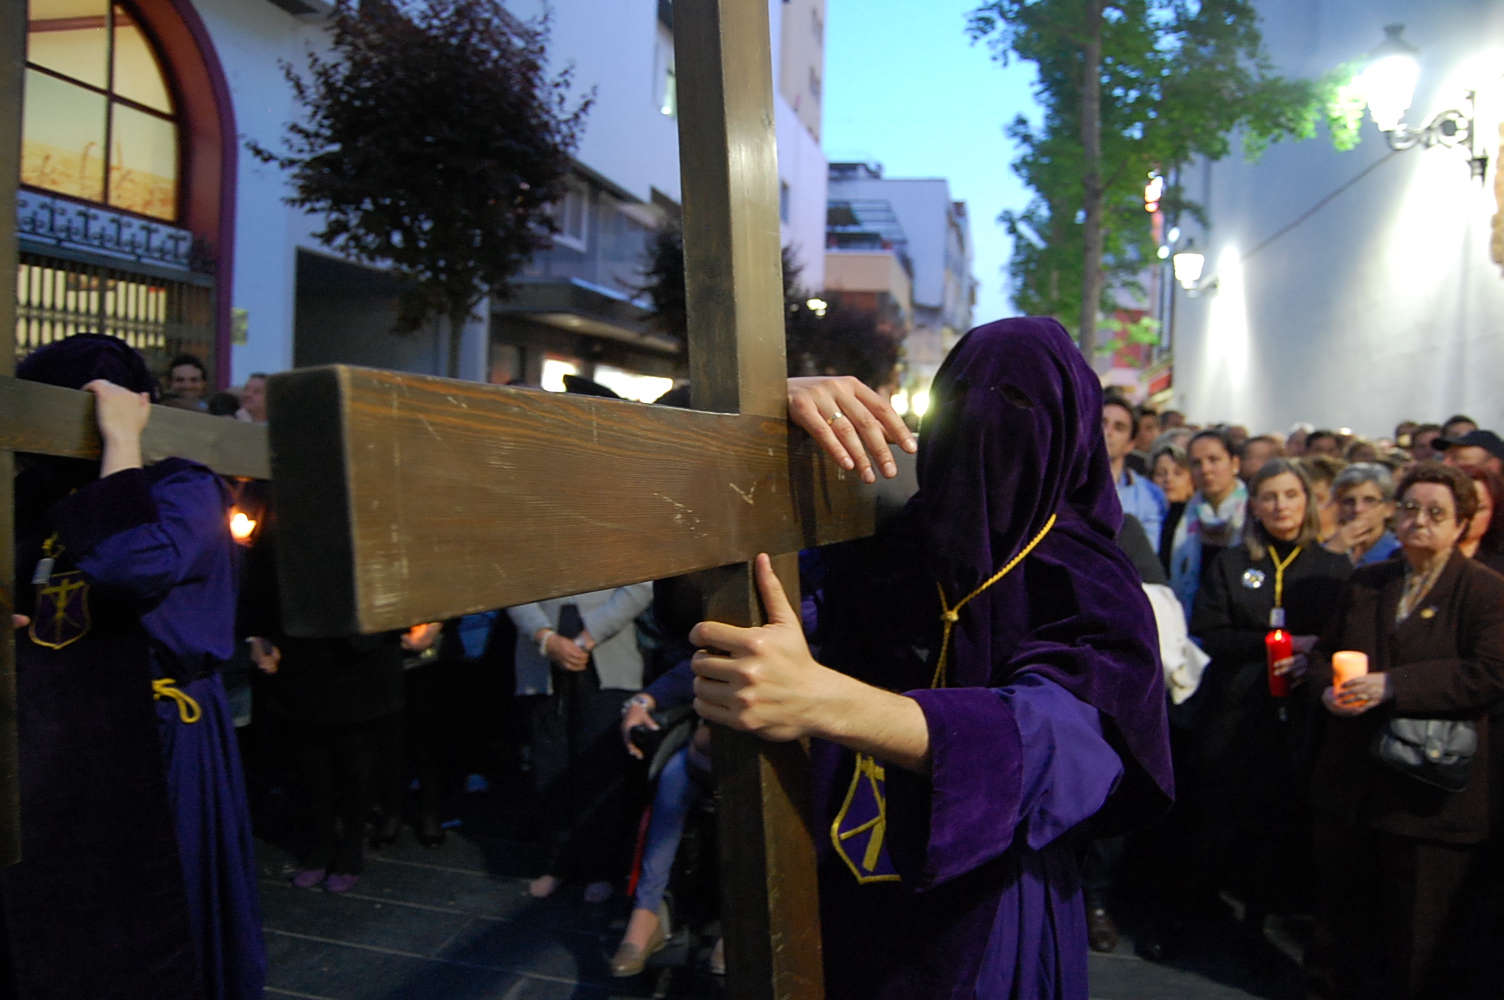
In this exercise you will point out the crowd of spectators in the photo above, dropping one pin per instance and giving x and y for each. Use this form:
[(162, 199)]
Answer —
[(1293, 790), (1369, 801)]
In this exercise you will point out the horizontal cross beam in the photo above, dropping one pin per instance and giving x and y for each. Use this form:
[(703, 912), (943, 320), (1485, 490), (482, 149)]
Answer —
[(406, 498), (47, 420)]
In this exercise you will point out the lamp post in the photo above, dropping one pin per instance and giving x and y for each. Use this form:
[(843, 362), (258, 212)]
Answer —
[(1388, 86)]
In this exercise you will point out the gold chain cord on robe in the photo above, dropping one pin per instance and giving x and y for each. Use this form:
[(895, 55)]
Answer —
[(1279, 574), (867, 767), (188, 709)]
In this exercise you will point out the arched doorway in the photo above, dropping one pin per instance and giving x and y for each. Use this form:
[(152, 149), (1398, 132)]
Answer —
[(125, 212)]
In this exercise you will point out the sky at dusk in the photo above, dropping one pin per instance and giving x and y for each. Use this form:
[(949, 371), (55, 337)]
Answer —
[(904, 86)]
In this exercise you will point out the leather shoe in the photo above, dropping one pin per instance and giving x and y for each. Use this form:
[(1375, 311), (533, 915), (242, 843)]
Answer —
[(629, 959), (385, 834), (429, 832), (1101, 930), (1154, 946)]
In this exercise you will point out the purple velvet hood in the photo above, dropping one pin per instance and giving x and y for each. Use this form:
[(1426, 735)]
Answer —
[(1015, 434), (78, 360)]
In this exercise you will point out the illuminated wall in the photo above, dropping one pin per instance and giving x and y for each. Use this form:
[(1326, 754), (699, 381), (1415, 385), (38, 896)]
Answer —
[(1387, 303)]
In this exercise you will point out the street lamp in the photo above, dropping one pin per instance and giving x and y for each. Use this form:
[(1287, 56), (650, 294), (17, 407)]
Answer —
[(1189, 263), (1388, 86)]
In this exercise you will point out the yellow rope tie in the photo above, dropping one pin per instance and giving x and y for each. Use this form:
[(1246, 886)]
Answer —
[(1279, 574), (949, 616), (188, 709)]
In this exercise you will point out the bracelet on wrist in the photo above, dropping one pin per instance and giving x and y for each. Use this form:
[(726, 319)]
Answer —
[(543, 642), (641, 698)]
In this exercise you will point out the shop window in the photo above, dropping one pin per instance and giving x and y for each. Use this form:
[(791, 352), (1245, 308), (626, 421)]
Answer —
[(99, 121)]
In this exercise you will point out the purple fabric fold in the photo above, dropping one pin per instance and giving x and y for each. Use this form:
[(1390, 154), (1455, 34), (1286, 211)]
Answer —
[(103, 508), (966, 813)]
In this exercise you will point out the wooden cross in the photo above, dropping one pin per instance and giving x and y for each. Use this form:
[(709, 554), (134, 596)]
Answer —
[(404, 498)]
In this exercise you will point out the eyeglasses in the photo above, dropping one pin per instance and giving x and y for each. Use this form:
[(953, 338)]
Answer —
[(1366, 503), (1410, 510)]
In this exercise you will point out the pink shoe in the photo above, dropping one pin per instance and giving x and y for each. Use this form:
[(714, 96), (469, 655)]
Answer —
[(309, 878), (341, 883)]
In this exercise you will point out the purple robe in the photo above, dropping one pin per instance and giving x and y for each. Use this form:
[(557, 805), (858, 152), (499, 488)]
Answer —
[(1051, 714), (173, 850)]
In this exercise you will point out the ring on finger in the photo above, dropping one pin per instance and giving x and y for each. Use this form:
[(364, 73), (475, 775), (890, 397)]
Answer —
[(838, 415)]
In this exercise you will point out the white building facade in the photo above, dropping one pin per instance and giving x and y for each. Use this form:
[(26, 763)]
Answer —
[(1362, 288), (230, 272), (935, 235)]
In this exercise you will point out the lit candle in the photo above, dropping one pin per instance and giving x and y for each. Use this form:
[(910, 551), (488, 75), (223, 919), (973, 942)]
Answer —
[(241, 527), (1346, 665)]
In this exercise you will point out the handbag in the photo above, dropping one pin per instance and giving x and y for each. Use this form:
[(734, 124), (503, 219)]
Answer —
[(1438, 752)]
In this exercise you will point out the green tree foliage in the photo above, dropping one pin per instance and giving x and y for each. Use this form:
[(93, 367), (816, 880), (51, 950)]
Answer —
[(433, 142), (1128, 88), (837, 340)]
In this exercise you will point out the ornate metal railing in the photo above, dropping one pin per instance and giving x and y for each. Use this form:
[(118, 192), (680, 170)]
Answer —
[(64, 223)]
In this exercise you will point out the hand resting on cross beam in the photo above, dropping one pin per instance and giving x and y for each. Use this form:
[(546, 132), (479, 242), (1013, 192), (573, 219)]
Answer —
[(851, 422), (764, 681)]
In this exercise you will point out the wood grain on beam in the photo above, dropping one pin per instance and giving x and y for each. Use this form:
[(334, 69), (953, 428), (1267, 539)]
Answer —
[(47, 420), (728, 168), (409, 498)]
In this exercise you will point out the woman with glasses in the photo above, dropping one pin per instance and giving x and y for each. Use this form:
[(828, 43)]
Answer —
[(1393, 843), (1248, 739), (1363, 496)]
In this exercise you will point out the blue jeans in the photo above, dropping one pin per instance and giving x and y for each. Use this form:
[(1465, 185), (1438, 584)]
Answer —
[(676, 793)]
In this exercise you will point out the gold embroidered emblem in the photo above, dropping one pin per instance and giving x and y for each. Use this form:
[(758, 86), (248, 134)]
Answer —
[(61, 617), (1428, 613)]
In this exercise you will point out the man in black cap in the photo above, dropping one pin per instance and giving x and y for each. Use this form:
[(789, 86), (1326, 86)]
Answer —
[(1473, 450)]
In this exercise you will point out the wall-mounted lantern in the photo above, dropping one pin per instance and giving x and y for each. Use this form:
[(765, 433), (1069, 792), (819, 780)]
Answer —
[(1388, 86)]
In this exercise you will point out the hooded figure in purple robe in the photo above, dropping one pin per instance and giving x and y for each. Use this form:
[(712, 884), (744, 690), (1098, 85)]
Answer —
[(1046, 721), (137, 873)]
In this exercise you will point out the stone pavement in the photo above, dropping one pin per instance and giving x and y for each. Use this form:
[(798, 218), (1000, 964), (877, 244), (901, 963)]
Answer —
[(456, 923)]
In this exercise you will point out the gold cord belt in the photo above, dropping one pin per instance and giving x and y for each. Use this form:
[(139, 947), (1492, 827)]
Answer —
[(188, 709)]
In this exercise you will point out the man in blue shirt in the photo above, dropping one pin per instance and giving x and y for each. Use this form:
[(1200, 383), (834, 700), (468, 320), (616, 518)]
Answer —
[(1138, 495)]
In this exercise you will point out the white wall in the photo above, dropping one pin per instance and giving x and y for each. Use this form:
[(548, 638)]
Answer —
[(1385, 304), (615, 47), (250, 36), (802, 166), (612, 46)]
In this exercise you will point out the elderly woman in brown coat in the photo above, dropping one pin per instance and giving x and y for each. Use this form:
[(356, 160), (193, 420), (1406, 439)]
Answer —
[(1392, 846)]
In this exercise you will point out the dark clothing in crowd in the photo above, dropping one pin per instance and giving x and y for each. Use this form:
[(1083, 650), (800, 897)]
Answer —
[(338, 698), (1393, 852), (1253, 749), (1167, 532), (578, 774)]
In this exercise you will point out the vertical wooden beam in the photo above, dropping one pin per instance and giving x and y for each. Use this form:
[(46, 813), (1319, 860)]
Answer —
[(734, 288), (12, 62)]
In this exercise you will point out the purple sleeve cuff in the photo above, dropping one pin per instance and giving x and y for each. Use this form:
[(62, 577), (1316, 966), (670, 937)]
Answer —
[(674, 687), (103, 508), (967, 812)]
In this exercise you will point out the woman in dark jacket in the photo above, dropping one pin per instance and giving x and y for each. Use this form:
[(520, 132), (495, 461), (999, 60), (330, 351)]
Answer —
[(1392, 850), (1250, 741)]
